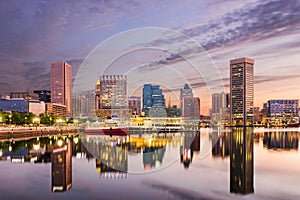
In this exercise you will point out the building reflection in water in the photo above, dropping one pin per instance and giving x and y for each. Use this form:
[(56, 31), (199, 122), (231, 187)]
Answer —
[(61, 166), (220, 144), (190, 144), (281, 140), (241, 161), (105, 171)]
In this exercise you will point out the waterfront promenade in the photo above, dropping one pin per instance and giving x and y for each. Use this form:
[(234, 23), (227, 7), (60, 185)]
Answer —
[(21, 131)]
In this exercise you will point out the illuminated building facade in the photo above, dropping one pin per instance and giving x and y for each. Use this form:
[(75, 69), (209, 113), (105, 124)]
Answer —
[(56, 110), (283, 108), (134, 104), (111, 92), (61, 85), (241, 91), (241, 160), (111, 97), (152, 97), (61, 167)]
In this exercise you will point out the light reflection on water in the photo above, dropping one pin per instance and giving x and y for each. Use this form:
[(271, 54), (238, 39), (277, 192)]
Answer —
[(263, 164)]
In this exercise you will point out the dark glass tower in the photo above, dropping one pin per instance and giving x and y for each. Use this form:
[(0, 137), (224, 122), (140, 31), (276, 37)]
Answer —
[(152, 97), (241, 91)]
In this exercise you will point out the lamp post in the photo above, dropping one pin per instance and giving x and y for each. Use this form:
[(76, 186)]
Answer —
[(50, 120), (9, 119), (25, 121), (36, 121)]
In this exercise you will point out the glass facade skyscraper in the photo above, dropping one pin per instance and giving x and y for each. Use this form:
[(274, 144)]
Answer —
[(241, 91), (152, 97)]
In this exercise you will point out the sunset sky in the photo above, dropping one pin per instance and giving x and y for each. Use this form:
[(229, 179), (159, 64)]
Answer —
[(35, 33)]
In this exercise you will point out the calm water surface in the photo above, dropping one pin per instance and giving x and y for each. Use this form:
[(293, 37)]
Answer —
[(241, 164)]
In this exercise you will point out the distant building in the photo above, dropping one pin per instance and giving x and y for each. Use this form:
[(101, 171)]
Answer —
[(283, 108), (220, 107), (61, 167), (134, 104), (61, 85), (174, 111), (44, 95), (241, 91), (84, 104), (186, 92), (24, 95), (19, 105), (190, 106), (152, 96)]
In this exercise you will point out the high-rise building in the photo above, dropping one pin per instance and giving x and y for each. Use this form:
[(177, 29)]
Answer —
[(241, 91), (61, 167), (152, 97), (220, 107), (134, 103), (61, 85), (112, 92), (84, 104), (190, 106), (184, 93), (111, 97)]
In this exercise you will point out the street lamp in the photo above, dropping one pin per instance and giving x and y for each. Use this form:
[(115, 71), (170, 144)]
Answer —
[(25, 121), (50, 120), (9, 119), (36, 121)]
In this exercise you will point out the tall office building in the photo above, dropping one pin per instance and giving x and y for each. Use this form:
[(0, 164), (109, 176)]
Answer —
[(111, 97), (152, 97), (190, 106), (220, 106), (186, 92), (111, 92), (61, 85), (241, 91)]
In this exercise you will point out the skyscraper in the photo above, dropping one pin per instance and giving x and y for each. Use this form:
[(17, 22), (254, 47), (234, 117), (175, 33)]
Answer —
[(241, 91), (111, 92), (111, 97), (61, 85), (220, 106), (152, 97), (190, 106)]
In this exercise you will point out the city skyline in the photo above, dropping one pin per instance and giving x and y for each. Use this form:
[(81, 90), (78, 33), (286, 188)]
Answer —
[(263, 30)]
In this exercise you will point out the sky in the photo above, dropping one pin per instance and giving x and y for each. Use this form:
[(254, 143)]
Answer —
[(205, 34)]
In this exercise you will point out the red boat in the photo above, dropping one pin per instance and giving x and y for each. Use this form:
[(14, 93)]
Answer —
[(110, 128)]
